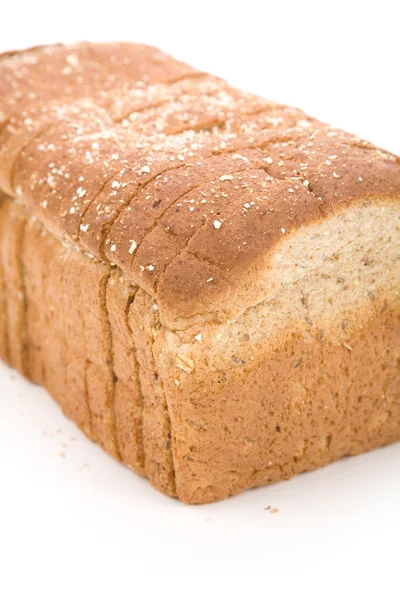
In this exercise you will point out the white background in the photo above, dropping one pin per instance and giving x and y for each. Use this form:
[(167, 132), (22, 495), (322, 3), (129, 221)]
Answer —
[(75, 524)]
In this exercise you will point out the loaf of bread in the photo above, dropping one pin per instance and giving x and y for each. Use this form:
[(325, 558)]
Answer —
[(207, 282)]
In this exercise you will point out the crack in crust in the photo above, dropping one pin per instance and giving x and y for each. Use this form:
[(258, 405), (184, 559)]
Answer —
[(109, 357), (159, 459), (87, 398), (167, 208), (163, 101), (138, 385), (4, 344), (21, 150), (18, 295), (78, 233), (108, 226)]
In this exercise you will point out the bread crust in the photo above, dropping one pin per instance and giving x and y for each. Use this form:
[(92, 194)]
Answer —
[(169, 173)]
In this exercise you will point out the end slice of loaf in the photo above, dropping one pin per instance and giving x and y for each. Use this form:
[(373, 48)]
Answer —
[(207, 282)]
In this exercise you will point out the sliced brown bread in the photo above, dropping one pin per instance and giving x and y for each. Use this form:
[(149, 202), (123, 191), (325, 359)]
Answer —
[(207, 282)]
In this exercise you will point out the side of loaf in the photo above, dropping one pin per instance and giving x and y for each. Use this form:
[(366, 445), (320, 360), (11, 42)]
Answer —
[(207, 282)]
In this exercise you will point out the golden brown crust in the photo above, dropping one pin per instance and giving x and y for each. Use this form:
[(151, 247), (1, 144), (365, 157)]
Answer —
[(45, 73), (182, 181)]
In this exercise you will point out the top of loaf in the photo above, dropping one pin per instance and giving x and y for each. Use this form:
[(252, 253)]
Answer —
[(184, 182)]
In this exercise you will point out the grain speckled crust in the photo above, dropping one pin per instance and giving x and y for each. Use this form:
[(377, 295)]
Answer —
[(152, 220)]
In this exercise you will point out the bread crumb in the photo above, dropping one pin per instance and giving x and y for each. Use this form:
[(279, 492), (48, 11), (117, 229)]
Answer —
[(72, 60), (185, 363), (272, 511), (240, 157), (51, 181), (81, 193), (226, 178), (217, 224), (113, 248), (132, 247)]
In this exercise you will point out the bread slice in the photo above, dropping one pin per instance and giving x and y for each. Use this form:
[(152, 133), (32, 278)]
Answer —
[(207, 282)]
